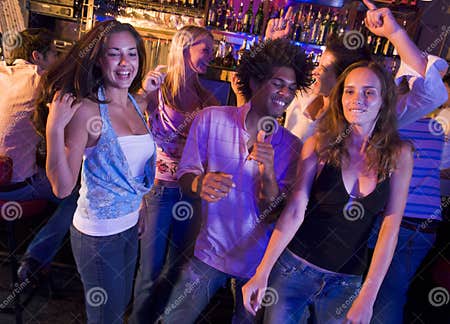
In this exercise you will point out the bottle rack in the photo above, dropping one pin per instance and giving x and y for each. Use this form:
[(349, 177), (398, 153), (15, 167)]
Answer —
[(312, 23)]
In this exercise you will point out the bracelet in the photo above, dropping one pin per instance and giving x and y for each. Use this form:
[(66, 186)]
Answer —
[(196, 183)]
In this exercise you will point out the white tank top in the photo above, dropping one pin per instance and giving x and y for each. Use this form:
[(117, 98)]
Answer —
[(137, 149)]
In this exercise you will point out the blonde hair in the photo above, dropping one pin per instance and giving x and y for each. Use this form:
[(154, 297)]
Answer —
[(176, 64)]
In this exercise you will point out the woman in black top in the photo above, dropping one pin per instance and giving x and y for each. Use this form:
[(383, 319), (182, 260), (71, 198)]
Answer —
[(353, 169)]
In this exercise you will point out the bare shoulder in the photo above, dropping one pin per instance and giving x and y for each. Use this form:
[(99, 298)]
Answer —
[(84, 122), (309, 146)]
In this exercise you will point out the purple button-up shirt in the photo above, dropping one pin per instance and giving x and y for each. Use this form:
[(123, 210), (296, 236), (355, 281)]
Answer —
[(233, 236)]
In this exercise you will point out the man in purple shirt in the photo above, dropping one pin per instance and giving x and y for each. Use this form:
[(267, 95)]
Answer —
[(242, 165)]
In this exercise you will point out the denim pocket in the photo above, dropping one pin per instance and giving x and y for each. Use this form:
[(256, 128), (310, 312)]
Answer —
[(287, 264)]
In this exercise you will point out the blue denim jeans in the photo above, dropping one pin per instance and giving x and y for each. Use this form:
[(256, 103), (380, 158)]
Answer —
[(302, 292), (106, 265), (197, 285), (47, 241), (165, 246), (39, 188), (412, 247)]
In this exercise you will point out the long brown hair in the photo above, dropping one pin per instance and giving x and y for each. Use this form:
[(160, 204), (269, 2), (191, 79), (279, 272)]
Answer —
[(78, 71), (334, 131)]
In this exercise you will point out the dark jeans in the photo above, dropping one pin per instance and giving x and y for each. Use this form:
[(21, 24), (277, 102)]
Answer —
[(301, 292), (197, 285), (106, 265), (412, 247), (48, 240), (166, 245)]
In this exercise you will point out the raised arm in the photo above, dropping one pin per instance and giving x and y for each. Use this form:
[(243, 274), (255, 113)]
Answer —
[(423, 72), (285, 229), (280, 27), (147, 98), (382, 23), (361, 310), (67, 135)]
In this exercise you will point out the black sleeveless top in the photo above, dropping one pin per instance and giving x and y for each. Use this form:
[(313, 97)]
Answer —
[(336, 227)]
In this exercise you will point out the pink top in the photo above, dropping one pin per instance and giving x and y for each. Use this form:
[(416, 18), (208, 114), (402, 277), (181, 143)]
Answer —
[(18, 139), (170, 128), (234, 236)]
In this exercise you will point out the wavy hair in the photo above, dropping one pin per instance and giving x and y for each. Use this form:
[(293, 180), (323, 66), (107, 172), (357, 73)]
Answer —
[(78, 71), (176, 63), (333, 130)]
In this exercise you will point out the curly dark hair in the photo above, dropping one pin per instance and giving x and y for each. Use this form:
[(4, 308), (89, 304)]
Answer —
[(258, 63), (333, 129)]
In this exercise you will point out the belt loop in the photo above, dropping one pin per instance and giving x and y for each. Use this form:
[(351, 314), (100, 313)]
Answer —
[(181, 193)]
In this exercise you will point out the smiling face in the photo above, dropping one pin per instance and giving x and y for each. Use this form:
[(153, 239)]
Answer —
[(199, 54), (120, 60), (361, 97), (273, 96), (324, 75)]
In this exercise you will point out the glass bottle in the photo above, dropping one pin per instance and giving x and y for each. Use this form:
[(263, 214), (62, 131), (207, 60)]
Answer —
[(315, 28), (212, 14), (259, 20), (248, 17), (323, 29), (239, 18)]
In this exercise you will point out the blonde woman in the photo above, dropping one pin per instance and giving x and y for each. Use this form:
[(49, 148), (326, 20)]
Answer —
[(170, 230)]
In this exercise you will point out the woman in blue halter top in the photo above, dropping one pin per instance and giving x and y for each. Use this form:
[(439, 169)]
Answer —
[(95, 124), (354, 169)]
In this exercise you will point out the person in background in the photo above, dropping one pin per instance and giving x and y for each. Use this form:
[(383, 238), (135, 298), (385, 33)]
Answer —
[(242, 166), (354, 168), (95, 124), (168, 239), (34, 55)]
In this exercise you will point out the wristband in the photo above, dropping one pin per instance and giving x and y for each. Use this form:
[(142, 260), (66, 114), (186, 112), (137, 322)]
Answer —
[(195, 186)]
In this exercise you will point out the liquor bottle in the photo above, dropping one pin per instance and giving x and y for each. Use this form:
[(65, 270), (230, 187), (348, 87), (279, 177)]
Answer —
[(220, 54), (334, 25), (323, 29), (190, 4), (221, 14), (229, 60), (248, 17), (239, 18), (241, 50), (259, 20), (315, 29), (305, 35), (212, 14), (378, 46), (344, 24), (297, 33), (388, 48), (229, 19)]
